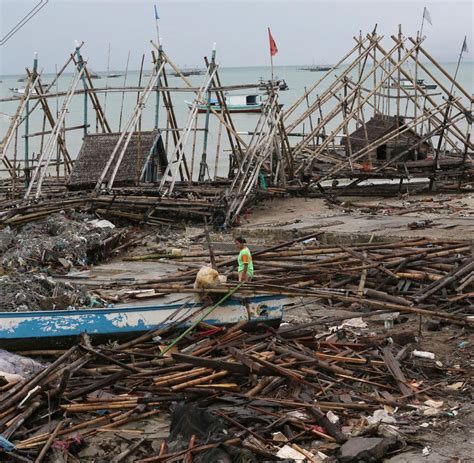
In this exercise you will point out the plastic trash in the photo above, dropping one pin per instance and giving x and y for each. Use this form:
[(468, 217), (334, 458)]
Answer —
[(423, 354), (381, 416), (279, 437), (14, 364), (350, 323), (287, 452), (101, 223)]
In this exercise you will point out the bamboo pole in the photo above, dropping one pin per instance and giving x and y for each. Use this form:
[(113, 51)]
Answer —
[(302, 144), (298, 102)]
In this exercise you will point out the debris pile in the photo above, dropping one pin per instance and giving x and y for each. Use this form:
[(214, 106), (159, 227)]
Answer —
[(304, 392), (27, 291), (57, 242), (52, 246), (432, 278)]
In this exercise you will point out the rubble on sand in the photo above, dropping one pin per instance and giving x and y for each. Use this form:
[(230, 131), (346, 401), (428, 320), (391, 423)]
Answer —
[(27, 291), (60, 242), (304, 392), (52, 246)]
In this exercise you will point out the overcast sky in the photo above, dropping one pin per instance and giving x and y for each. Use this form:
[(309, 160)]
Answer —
[(306, 32)]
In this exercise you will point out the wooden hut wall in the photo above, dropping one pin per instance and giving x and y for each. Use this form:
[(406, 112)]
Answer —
[(378, 127), (95, 152)]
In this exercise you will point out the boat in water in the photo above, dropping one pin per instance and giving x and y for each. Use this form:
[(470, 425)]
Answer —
[(235, 104), (113, 76), (316, 68), (408, 84), (93, 75), (20, 330), (189, 72), (20, 91), (266, 85)]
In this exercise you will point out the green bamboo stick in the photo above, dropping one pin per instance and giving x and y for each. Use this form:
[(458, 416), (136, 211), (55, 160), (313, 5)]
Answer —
[(201, 318)]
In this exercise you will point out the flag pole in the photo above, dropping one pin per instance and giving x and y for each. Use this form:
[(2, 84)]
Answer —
[(157, 26), (464, 44), (447, 114), (271, 65), (271, 52), (158, 64), (422, 22)]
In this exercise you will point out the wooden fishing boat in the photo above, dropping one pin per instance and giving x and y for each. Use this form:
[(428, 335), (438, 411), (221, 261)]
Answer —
[(54, 328), (22, 90), (316, 68), (407, 84), (266, 85), (189, 72), (235, 104)]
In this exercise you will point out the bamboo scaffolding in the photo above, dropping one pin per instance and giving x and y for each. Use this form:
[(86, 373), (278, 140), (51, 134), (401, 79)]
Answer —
[(40, 170)]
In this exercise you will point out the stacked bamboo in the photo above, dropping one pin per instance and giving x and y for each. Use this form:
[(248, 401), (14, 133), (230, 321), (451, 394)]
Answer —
[(420, 276), (290, 379), (190, 201)]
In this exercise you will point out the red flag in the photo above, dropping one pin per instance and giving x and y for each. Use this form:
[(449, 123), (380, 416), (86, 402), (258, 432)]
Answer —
[(273, 45)]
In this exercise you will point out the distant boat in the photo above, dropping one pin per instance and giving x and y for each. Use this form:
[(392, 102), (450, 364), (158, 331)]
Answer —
[(190, 72), (93, 75), (113, 76), (408, 84), (235, 104), (316, 68), (22, 79), (267, 84), (21, 91)]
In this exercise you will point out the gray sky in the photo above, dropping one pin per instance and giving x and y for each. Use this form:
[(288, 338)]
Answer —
[(306, 32)]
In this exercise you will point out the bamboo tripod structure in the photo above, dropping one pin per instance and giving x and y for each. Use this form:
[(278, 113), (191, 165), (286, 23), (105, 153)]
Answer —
[(346, 102), (374, 79)]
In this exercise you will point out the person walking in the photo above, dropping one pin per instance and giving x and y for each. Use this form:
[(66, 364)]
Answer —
[(244, 260)]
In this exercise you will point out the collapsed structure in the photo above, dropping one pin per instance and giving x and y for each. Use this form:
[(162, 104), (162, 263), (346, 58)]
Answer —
[(319, 389), (377, 128), (374, 120)]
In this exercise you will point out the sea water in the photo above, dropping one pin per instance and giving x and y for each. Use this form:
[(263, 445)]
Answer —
[(119, 106)]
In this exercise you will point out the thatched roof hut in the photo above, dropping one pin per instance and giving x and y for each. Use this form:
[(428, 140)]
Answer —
[(97, 148), (379, 126)]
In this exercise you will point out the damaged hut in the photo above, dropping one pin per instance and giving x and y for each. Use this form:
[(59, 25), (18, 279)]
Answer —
[(145, 147), (394, 137)]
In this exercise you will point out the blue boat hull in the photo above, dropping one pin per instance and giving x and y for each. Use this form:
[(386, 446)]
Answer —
[(24, 330)]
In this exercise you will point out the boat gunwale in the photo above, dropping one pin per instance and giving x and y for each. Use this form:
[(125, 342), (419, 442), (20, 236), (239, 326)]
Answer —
[(105, 310)]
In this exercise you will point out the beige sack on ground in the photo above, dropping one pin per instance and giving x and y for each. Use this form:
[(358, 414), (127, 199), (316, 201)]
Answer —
[(207, 277)]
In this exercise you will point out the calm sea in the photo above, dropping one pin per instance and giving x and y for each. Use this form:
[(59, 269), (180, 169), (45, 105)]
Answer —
[(117, 104)]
